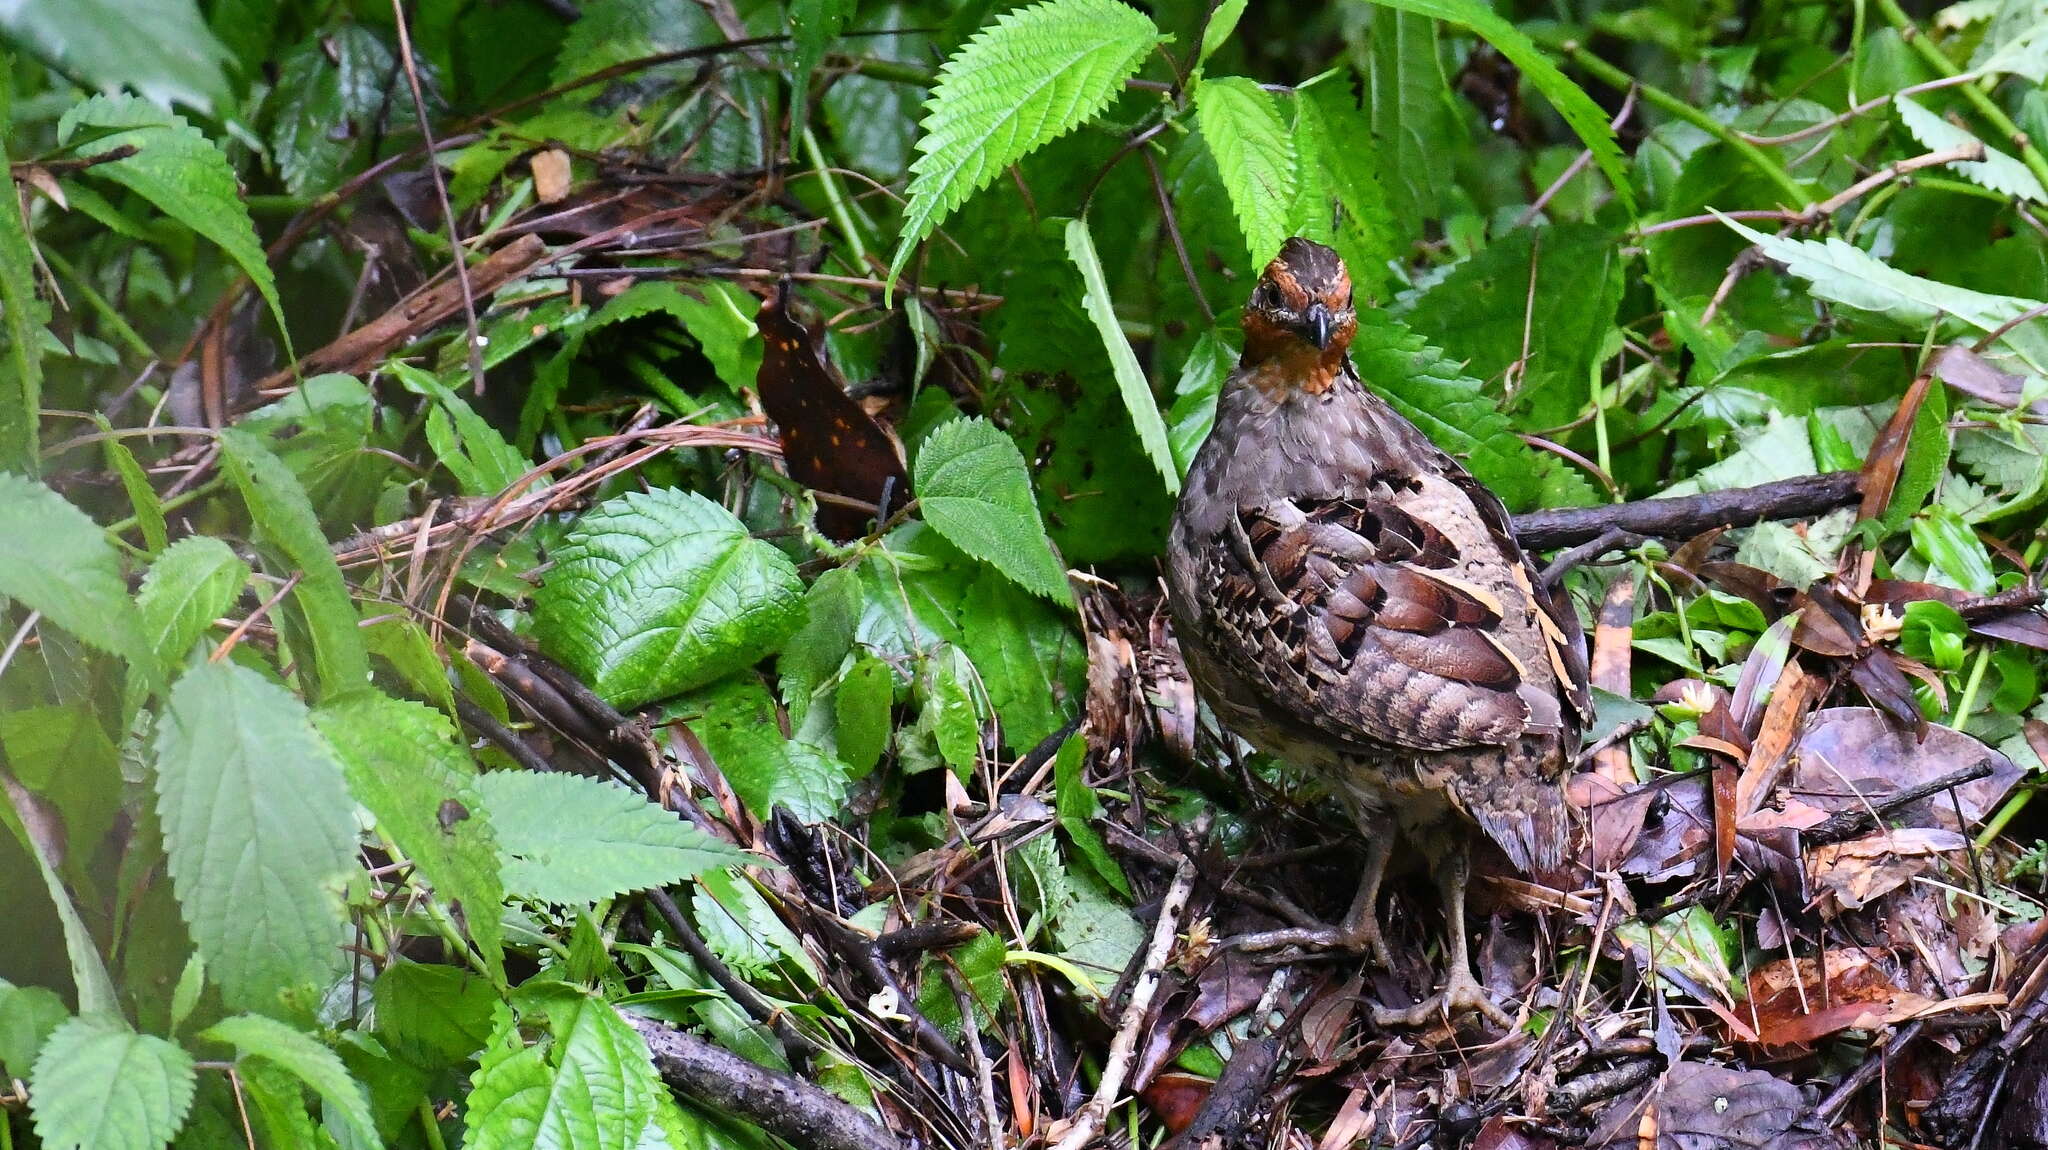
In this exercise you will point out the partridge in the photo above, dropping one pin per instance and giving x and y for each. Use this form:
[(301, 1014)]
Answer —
[(1351, 600)]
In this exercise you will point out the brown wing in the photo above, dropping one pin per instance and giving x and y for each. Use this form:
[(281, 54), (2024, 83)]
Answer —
[(1366, 619)]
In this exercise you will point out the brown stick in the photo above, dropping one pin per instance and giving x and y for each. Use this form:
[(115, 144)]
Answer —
[(416, 313), (782, 1104), (1684, 516)]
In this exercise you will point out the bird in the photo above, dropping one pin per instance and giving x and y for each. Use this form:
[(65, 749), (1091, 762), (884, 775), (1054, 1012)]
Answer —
[(1349, 599)]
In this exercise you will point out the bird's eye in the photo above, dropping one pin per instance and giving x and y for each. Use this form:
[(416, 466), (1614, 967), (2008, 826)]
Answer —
[(1269, 295)]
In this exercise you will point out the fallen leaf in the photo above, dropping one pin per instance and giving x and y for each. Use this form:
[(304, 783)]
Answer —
[(1858, 872)]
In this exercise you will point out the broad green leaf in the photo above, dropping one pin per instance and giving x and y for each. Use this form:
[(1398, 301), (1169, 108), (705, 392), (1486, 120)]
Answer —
[(972, 485), (736, 721), (63, 753), (1998, 171), (435, 1015), (179, 170), (1241, 124), (1209, 363), (1033, 75), (719, 316), (330, 86), (24, 313), (572, 840), (472, 450), (1075, 802), (192, 583), (861, 712), (1330, 167), (98, 1085), (161, 48), (1130, 376), (949, 713), (28, 1016), (1953, 552), (979, 962), (258, 831), (591, 1086), (654, 593), (405, 763), (1028, 655), (149, 509), (1222, 22), (285, 521), (53, 559), (1849, 275), (812, 656), (1417, 126), (1572, 103), (253, 1035)]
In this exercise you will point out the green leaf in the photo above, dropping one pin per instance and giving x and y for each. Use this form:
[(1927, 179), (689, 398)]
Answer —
[(1075, 803), (861, 712), (592, 1086), (736, 722), (179, 170), (435, 1015), (53, 559), (1222, 22), (472, 450), (258, 831), (405, 763), (719, 316), (254, 1036), (1852, 276), (161, 49), (28, 1016), (330, 87), (24, 313), (1130, 376), (1997, 170), (63, 754), (98, 1085), (573, 840), (811, 657), (1209, 363), (813, 24), (1953, 552), (149, 510), (1417, 126), (1934, 633), (1032, 76), (658, 592), (972, 486), (1241, 124), (949, 714), (1029, 657), (285, 521), (192, 583), (1572, 103), (1331, 169)]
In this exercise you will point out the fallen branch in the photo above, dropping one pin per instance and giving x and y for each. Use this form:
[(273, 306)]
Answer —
[(1088, 1123), (1683, 516), (782, 1104), (1859, 821)]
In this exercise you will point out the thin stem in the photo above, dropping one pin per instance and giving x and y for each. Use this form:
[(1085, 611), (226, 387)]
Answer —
[(834, 200), (107, 312), (1978, 99), (430, 1126), (1673, 106)]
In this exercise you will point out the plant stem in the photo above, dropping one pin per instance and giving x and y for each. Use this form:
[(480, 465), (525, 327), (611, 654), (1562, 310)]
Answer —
[(1796, 194), (108, 314), (834, 199), (431, 1126), (1983, 103), (1996, 826)]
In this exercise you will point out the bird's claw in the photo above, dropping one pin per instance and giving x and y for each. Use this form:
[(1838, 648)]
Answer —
[(1461, 995)]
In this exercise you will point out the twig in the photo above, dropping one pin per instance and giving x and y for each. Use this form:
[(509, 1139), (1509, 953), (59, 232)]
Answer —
[(1244, 1086), (1585, 157), (455, 248), (486, 724), (1839, 1098), (797, 1046), (1844, 825), (1684, 516), (1088, 1122), (782, 1104)]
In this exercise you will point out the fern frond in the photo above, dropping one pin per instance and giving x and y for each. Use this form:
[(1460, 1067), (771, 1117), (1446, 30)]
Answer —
[(1032, 76)]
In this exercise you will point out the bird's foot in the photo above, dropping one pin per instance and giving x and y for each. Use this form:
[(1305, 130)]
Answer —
[(1358, 937), (1462, 994)]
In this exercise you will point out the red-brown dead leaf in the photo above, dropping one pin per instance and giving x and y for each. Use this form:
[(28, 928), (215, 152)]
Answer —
[(1858, 872), (1175, 1098), (1613, 635), (1794, 694), (1888, 452), (1796, 1003), (829, 442)]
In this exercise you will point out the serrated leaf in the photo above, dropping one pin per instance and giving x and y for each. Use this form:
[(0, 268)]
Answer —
[(433, 1014), (192, 583), (98, 1085), (592, 1085), (1241, 125), (573, 840), (861, 712), (1331, 168), (1417, 127), (258, 833), (315, 1065), (832, 608), (1032, 76), (161, 49), (54, 559), (404, 763), (179, 170), (972, 485), (24, 313), (149, 509), (1130, 376), (329, 88), (1849, 275), (28, 1016), (813, 24), (1572, 103), (658, 592), (1997, 170), (285, 520)]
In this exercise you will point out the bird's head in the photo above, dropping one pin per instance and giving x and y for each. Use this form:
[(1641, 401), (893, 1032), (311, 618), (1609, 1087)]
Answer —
[(1299, 322)]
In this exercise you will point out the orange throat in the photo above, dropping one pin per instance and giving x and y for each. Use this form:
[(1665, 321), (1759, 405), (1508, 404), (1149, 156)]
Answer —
[(1297, 366)]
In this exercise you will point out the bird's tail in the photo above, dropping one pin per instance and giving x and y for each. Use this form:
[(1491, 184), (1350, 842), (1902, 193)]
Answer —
[(1521, 811)]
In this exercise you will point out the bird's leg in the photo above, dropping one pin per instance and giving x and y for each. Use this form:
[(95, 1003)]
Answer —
[(1358, 932), (1461, 991)]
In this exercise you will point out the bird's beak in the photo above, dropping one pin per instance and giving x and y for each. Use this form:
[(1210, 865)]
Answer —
[(1320, 323)]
